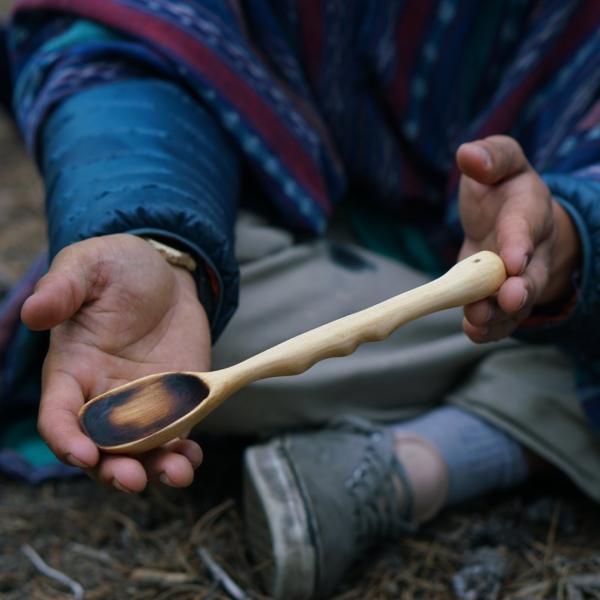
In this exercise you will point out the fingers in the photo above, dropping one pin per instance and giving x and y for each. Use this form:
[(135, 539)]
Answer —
[(58, 421), (515, 295), (516, 238), (517, 212), (496, 171), (188, 448), (173, 465), (486, 321), (495, 318), (56, 298), (492, 160), (491, 333), (123, 473), (506, 207)]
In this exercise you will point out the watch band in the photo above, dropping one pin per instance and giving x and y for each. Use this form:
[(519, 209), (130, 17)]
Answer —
[(173, 256)]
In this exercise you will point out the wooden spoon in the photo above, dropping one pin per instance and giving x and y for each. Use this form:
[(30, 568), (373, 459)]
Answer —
[(150, 411)]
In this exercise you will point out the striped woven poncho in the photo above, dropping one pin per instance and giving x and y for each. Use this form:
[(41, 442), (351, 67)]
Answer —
[(327, 100)]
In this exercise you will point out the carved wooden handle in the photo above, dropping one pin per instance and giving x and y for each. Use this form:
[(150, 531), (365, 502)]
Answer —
[(471, 279)]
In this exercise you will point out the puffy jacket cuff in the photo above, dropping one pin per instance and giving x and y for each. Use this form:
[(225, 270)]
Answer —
[(208, 280)]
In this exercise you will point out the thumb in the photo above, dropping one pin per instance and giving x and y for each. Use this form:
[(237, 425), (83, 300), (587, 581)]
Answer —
[(61, 292), (492, 160)]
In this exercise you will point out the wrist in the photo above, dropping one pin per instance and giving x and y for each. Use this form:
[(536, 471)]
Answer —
[(565, 260), (185, 280), (180, 258)]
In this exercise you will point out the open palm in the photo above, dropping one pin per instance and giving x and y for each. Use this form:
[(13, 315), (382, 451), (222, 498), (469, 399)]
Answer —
[(117, 312)]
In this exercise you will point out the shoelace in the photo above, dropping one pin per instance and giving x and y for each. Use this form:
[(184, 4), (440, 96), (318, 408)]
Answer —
[(372, 486)]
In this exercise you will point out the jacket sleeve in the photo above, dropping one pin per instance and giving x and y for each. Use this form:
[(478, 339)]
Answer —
[(123, 147)]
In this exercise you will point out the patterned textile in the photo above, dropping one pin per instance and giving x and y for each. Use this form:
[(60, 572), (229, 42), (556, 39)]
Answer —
[(323, 93), (17, 380), (330, 100)]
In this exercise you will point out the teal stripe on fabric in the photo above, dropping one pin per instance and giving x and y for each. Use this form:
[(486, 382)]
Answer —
[(395, 239), (81, 31), (22, 437)]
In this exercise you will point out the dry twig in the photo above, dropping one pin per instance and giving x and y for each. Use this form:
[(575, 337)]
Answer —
[(92, 553), (552, 529), (37, 561), (163, 578), (208, 518), (230, 586)]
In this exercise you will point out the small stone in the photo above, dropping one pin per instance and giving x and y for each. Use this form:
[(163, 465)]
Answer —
[(482, 575)]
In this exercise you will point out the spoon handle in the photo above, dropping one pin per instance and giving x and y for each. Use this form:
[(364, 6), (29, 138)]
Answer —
[(472, 279)]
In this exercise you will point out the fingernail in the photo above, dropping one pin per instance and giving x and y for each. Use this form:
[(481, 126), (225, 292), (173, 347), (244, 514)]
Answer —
[(523, 300), (484, 155), (195, 463), (164, 478), (121, 488), (524, 265), (76, 462)]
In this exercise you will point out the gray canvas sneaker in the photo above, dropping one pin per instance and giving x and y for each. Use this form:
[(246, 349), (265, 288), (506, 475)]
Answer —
[(315, 501)]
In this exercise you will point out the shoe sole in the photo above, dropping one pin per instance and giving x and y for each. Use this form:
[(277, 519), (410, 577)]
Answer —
[(277, 526)]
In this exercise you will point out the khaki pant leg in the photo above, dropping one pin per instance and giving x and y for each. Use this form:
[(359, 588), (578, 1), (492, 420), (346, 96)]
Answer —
[(287, 289)]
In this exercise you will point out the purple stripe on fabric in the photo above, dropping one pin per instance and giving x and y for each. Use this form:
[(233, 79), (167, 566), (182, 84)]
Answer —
[(412, 25), (311, 21), (10, 307), (591, 119), (66, 78), (13, 464)]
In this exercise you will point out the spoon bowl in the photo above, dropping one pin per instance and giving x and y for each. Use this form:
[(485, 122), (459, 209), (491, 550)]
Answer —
[(142, 409), (150, 411)]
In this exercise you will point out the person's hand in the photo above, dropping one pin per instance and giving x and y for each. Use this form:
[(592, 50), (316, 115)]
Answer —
[(118, 311), (506, 207)]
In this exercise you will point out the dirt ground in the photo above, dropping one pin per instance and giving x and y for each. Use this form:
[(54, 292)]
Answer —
[(542, 542)]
